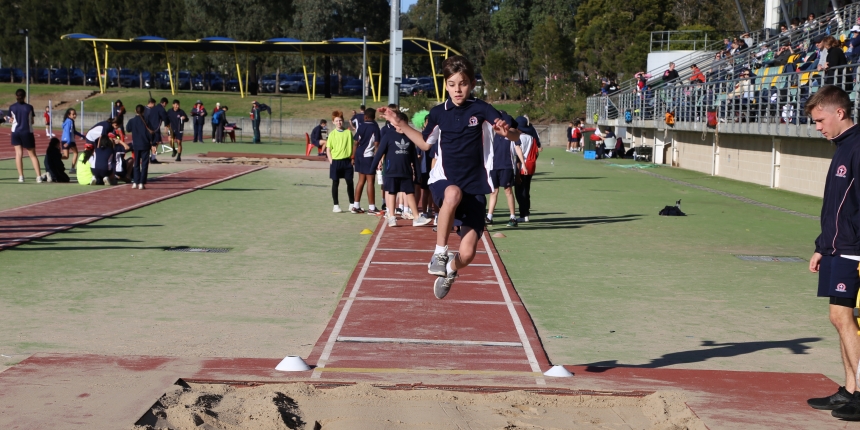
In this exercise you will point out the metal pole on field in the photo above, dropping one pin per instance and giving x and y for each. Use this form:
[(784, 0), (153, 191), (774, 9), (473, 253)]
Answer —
[(50, 118), (281, 120), (82, 115), (26, 33), (270, 120)]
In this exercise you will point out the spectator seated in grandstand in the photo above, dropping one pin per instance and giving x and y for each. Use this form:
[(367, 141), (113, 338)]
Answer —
[(670, 75), (835, 58), (780, 57), (853, 43), (697, 75), (739, 97)]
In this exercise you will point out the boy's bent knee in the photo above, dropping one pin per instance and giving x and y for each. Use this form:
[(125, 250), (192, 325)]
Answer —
[(453, 192)]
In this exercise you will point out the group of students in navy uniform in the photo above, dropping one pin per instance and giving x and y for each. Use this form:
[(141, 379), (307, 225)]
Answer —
[(465, 149)]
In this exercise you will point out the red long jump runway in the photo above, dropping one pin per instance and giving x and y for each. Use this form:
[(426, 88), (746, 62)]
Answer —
[(41, 219), (388, 325)]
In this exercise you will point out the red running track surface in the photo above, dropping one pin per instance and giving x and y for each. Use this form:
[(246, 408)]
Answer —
[(41, 219), (388, 325)]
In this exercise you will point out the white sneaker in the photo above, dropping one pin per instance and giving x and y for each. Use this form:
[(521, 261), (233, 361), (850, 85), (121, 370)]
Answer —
[(524, 219), (20, 179), (407, 215), (418, 222), (392, 222), (140, 187), (106, 180), (40, 179), (133, 186), (48, 177), (93, 181), (337, 209)]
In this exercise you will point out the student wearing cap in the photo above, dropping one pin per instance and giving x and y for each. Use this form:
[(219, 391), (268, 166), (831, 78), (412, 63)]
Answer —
[(198, 117), (177, 119), (255, 120), (854, 44)]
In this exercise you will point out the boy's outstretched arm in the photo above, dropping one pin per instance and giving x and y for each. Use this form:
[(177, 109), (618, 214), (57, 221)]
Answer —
[(414, 135)]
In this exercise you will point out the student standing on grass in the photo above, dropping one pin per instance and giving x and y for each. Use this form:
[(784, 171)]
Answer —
[(576, 136), (316, 137), (505, 154), (398, 154), (198, 117), (459, 181), (219, 120), (140, 145), (215, 124), (68, 137), (340, 159), (366, 141), (255, 121), (154, 120), (837, 248), (22, 117), (529, 145), (177, 119)]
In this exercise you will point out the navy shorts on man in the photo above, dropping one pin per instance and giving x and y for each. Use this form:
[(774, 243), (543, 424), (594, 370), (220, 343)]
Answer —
[(340, 169), (470, 211), (398, 185), (838, 279), (24, 140), (502, 178)]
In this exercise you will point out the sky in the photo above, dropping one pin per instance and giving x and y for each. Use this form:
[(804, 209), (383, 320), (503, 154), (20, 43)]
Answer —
[(404, 4)]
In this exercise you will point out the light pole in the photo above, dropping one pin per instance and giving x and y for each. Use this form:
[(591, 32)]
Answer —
[(437, 20), (26, 33), (363, 31)]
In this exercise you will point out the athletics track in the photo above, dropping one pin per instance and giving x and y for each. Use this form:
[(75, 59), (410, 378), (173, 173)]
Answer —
[(387, 329)]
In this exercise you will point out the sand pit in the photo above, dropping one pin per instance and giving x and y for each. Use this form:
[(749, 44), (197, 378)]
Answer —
[(362, 406)]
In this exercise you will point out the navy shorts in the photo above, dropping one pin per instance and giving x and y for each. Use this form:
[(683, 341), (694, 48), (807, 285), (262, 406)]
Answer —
[(156, 138), (340, 169), (364, 165), (67, 145), (398, 185), (422, 180), (470, 211), (838, 277), (177, 136), (502, 178), (24, 140)]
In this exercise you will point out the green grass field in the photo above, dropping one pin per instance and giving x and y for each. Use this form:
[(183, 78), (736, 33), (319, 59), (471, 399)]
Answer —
[(606, 280)]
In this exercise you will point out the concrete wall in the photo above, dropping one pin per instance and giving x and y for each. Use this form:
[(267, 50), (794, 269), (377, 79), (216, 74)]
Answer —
[(790, 163)]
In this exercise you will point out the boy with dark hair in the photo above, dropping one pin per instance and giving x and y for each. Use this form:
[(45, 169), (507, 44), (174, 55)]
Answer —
[(317, 137), (155, 116), (22, 117), (198, 115), (398, 154), (366, 141), (177, 119), (462, 126), (55, 171), (837, 248), (140, 144)]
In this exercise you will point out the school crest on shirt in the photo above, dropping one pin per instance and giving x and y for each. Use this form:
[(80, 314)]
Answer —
[(473, 121), (840, 287), (841, 171)]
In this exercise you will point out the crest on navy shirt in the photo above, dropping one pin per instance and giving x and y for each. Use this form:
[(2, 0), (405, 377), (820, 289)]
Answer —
[(473, 121), (841, 171)]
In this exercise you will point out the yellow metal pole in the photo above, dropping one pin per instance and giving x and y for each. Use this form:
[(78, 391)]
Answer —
[(305, 70), (247, 69), (238, 71), (98, 68), (372, 87), (379, 80), (169, 73), (433, 68), (314, 92), (107, 71)]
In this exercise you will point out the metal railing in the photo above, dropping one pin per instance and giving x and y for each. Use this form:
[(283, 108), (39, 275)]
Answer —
[(833, 23), (662, 40), (762, 105)]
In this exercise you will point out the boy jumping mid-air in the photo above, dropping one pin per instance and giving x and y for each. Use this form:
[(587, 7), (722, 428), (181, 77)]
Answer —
[(463, 127)]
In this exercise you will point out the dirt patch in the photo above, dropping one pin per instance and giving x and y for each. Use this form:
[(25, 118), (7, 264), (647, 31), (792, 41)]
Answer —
[(271, 162), (60, 100), (362, 406)]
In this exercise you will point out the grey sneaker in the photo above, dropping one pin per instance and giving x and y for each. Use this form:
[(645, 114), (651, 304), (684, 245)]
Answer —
[(418, 222), (438, 263), (443, 285), (392, 222)]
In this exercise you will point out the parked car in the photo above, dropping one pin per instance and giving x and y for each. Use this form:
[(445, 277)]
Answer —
[(406, 85), (353, 87), (184, 80), (267, 82), (161, 81), (233, 84), (129, 78), (42, 75), (293, 83), (214, 81), (9, 74), (424, 85), (65, 76), (91, 77)]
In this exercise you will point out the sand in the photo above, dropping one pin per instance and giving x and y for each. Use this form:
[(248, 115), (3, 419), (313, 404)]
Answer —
[(322, 163), (362, 406)]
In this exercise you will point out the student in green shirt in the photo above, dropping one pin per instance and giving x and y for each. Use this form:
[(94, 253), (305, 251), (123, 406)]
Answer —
[(340, 158)]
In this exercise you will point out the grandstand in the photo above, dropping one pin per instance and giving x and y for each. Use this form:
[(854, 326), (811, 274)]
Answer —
[(762, 135)]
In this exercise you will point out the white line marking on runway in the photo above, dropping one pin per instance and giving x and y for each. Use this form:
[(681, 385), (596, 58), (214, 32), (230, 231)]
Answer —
[(426, 341), (342, 317), (530, 354)]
